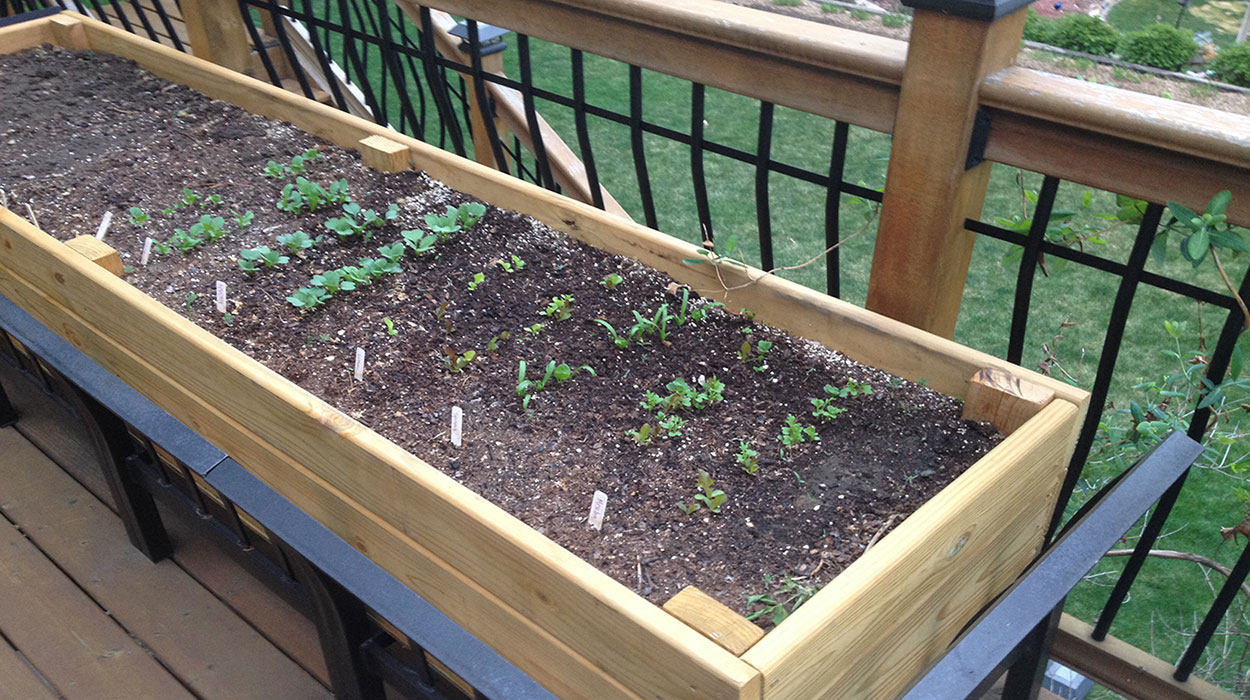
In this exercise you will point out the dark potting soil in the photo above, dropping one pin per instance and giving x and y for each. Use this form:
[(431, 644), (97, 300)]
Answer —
[(82, 134)]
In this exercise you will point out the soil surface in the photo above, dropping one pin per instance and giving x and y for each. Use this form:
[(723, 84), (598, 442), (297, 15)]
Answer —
[(84, 134)]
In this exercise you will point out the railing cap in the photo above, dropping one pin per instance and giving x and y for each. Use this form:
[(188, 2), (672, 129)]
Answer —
[(985, 10)]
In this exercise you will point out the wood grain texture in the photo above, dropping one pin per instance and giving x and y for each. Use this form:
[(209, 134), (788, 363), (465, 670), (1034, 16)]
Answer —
[(894, 611), (68, 32), (714, 620), (920, 262), (74, 644), (217, 33), (18, 679), (1004, 400), (1149, 171), (98, 252), (25, 35), (200, 640), (383, 154), (1124, 668), (834, 72)]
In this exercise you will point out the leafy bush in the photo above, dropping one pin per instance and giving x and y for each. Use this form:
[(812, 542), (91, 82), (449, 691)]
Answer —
[(1038, 28), (1232, 65), (892, 20), (1078, 32), (1160, 46)]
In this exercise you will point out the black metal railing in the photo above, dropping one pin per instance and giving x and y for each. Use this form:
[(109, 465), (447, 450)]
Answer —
[(406, 82)]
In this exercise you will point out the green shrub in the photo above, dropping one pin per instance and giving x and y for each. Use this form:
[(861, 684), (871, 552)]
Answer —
[(1160, 46), (1077, 32), (788, 3), (830, 7), (1038, 28), (861, 14), (1232, 65), (892, 20)]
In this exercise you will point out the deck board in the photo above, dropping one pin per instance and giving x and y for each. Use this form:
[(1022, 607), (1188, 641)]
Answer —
[(65, 635), (193, 633), (18, 679)]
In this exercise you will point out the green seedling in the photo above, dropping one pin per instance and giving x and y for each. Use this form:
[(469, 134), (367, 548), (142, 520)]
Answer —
[(189, 198), (333, 282), (308, 195), (249, 257), (671, 423), (419, 242), (242, 221), (748, 458), (183, 241), (709, 497), (478, 279), (211, 199), (535, 329), (457, 363), (375, 268), (560, 308), (755, 356), (781, 603), (298, 164), (189, 299), (393, 252), (469, 213), (298, 242), (516, 264), (561, 373), (443, 226), (699, 313), (642, 435), (795, 433), (390, 326), (620, 341), (227, 319), (308, 298), (611, 281), (493, 344), (138, 217)]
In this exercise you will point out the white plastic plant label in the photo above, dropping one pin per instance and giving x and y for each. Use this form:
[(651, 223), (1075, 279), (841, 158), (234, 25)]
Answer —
[(457, 425), (221, 297), (147, 251), (360, 364), (598, 506), (104, 225)]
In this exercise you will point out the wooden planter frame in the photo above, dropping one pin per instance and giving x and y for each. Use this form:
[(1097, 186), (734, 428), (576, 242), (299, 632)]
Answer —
[(572, 628)]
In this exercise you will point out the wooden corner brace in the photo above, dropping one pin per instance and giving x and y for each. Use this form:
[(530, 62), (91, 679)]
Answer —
[(1006, 401), (713, 620)]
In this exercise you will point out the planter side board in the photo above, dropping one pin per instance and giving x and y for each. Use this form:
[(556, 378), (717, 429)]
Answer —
[(571, 627), (894, 611)]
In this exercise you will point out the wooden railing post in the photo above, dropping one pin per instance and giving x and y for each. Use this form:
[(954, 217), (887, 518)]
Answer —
[(922, 251), (216, 33)]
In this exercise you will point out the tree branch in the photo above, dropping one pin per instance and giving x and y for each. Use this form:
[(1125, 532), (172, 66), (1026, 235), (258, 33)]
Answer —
[(1185, 556)]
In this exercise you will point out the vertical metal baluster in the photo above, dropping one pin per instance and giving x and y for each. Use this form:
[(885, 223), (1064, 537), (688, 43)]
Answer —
[(121, 16), (391, 60), (763, 158), (165, 21), (272, 72), (323, 57), (583, 132), (531, 115), (287, 49), (833, 209), (1216, 369), (448, 122), (143, 19), (484, 104), (353, 60), (1229, 591), (640, 155), (697, 175), (1028, 268)]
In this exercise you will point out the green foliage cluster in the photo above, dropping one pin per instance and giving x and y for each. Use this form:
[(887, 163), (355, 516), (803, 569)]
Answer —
[(1085, 33), (560, 373), (893, 20), (708, 496), (780, 602), (348, 278), (306, 195), (1160, 46), (681, 397), (1232, 65)]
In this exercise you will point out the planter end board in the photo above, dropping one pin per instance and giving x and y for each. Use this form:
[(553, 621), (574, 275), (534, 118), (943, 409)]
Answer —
[(553, 615)]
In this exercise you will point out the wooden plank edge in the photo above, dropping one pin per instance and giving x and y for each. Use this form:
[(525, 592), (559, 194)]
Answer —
[(714, 620), (26, 35), (1006, 401), (860, 334), (96, 250), (800, 658), (525, 644), (1124, 668)]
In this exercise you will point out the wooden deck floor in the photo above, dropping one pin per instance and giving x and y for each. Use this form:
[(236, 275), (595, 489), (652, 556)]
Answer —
[(84, 615)]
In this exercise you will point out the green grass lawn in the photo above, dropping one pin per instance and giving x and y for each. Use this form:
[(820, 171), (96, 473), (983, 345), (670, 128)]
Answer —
[(1220, 17), (1170, 594)]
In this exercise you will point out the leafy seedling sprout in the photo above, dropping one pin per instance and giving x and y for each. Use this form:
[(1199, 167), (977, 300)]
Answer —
[(560, 308), (748, 458), (708, 497)]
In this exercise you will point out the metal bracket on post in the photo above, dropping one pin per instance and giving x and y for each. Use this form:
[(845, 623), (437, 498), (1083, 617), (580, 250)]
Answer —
[(980, 137)]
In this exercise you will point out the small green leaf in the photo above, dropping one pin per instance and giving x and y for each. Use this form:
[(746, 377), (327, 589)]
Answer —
[(1219, 203)]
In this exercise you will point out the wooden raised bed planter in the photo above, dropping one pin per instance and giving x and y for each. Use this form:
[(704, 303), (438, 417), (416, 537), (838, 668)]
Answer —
[(574, 629)]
